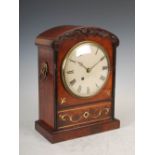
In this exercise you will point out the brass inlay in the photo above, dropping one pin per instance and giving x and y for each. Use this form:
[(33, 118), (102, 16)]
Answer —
[(63, 100), (106, 110), (98, 114), (74, 120), (90, 121), (108, 92), (63, 117), (86, 115), (66, 117)]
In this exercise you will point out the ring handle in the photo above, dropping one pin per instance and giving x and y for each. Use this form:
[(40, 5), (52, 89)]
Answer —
[(44, 70)]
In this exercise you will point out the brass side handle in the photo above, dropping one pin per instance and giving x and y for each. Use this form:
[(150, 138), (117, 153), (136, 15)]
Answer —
[(44, 70)]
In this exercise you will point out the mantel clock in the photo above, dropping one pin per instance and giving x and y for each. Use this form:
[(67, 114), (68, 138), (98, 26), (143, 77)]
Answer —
[(77, 66)]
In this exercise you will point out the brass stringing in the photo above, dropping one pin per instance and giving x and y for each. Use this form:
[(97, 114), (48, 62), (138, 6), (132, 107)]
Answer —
[(85, 115)]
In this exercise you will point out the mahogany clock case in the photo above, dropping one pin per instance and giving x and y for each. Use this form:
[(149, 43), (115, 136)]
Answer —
[(63, 116)]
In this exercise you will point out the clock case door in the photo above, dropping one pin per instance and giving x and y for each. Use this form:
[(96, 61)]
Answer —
[(54, 45)]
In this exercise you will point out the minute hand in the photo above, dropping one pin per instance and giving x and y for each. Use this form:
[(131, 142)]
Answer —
[(97, 63)]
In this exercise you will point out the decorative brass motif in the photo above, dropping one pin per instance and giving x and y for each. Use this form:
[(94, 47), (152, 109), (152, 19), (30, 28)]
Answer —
[(108, 92), (63, 117), (106, 110), (66, 117), (74, 120), (86, 115), (99, 113), (63, 100)]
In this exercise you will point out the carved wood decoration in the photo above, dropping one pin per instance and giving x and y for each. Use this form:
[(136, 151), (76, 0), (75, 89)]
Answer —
[(84, 31)]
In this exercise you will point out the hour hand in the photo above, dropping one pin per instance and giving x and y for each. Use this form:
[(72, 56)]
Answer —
[(82, 65)]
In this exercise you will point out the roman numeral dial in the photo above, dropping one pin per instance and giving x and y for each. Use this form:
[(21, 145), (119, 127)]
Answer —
[(105, 67), (70, 72), (102, 78), (85, 69), (72, 82), (79, 88), (88, 90)]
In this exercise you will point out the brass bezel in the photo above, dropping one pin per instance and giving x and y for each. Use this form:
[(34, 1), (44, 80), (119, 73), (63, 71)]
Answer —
[(64, 63)]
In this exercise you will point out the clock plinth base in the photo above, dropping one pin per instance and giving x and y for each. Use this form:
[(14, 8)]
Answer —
[(55, 136)]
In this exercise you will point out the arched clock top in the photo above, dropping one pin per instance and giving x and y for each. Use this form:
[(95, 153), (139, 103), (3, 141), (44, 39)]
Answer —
[(53, 37)]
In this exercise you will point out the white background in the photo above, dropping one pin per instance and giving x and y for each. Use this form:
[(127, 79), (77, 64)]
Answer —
[(145, 128), (117, 17)]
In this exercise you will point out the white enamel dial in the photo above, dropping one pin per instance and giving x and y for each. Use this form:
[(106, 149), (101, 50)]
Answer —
[(85, 69)]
